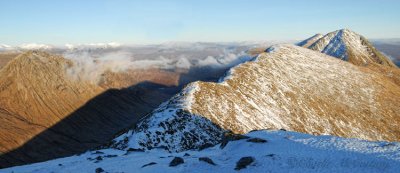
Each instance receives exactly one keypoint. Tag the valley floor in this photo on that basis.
(265, 151)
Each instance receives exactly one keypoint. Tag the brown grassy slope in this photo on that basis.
(47, 114)
(377, 62)
(306, 91)
(135, 76)
(36, 92)
(256, 51)
(5, 57)
(373, 56)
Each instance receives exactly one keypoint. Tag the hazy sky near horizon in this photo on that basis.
(153, 21)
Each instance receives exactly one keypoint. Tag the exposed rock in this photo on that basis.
(244, 162)
(206, 145)
(99, 158)
(135, 150)
(229, 136)
(99, 170)
(130, 150)
(110, 156)
(176, 161)
(257, 140)
(207, 160)
(149, 164)
(234, 137)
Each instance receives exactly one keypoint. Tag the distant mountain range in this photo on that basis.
(387, 46)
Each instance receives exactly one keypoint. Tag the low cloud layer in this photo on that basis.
(91, 63)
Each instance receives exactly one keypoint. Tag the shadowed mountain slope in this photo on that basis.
(46, 114)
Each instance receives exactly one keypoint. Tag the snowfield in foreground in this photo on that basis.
(261, 151)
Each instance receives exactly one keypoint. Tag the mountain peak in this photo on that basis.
(35, 62)
(350, 46)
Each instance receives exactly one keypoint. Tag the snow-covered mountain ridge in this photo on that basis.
(289, 87)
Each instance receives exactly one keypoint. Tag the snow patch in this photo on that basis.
(283, 151)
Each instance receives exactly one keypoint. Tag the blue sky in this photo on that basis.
(154, 21)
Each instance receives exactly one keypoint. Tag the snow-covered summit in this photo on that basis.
(349, 46)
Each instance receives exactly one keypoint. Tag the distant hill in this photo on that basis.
(45, 113)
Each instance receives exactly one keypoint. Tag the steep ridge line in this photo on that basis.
(289, 87)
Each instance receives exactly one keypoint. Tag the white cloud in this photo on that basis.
(91, 63)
